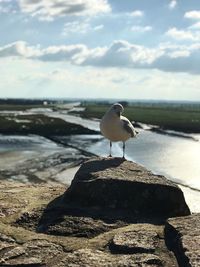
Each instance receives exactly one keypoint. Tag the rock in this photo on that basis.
(79, 226)
(183, 238)
(32, 253)
(139, 241)
(27, 262)
(119, 184)
(97, 258)
(6, 238)
(47, 225)
(107, 193)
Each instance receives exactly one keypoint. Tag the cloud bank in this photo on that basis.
(49, 10)
(120, 54)
(183, 35)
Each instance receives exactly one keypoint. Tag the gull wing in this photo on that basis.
(128, 127)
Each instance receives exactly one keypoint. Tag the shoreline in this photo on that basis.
(63, 173)
(80, 152)
(60, 142)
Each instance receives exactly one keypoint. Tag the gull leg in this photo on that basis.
(110, 149)
(123, 150)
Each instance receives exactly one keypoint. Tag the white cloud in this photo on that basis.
(137, 13)
(71, 53)
(172, 4)
(141, 28)
(20, 48)
(80, 26)
(195, 26)
(49, 10)
(181, 35)
(120, 54)
(179, 53)
(194, 14)
(98, 27)
(33, 78)
(76, 27)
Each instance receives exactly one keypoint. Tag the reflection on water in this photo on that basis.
(91, 124)
(175, 157)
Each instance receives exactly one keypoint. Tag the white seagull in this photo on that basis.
(116, 127)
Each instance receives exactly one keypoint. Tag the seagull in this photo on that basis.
(116, 127)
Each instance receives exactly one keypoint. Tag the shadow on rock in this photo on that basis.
(107, 193)
(65, 217)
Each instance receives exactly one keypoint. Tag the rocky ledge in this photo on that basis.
(115, 213)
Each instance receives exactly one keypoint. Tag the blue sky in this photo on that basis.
(129, 49)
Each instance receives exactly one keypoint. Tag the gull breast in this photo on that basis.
(113, 129)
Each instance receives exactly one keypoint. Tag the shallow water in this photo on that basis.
(91, 124)
(15, 149)
(175, 157)
(20, 142)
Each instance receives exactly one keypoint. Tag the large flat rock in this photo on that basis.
(119, 184)
(183, 236)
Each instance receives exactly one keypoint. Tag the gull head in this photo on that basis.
(117, 109)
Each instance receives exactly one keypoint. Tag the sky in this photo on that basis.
(126, 49)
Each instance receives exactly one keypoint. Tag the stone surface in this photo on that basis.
(119, 184)
(183, 235)
(21, 245)
(42, 227)
(97, 258)
(34, 252)
(135, 242)
(78, 226)
(106, 194)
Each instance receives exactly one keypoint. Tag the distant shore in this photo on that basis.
(24, 123)
(163, 115)
(183, 118)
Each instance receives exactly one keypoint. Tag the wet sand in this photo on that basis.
(36, 159)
